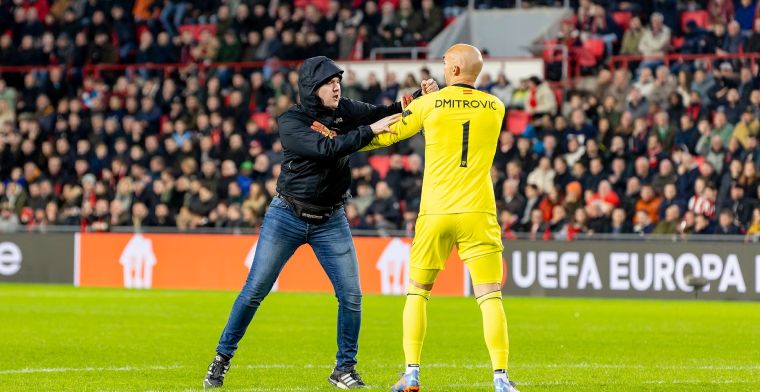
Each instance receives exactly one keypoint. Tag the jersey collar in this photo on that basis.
(463, 85)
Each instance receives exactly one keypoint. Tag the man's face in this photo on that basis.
(725, 220)
(329, 93)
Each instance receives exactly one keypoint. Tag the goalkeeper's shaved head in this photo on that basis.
(462, 64)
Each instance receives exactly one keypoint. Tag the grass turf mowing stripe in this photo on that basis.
(163, 340)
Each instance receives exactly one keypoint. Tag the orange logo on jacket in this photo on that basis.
(321, 128)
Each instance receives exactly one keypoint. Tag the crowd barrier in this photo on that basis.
(637, 268)
(515, 68)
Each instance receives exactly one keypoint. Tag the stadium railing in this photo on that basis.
(411, 52)
(707, 60)
(201, 68)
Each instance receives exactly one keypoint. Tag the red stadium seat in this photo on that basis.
(699, 16)
(381, 164)
(622, 18)
(552, 51)
(262, 120)
(517, 121)
(676, 42)
(322, 5)
(595, 46)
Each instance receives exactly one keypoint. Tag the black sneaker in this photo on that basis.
(216, 371)
(346, 380)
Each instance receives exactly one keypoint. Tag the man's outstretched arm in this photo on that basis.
(410, 125)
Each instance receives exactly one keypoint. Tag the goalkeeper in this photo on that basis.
(461, 127)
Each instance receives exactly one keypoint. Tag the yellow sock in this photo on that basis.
(495, 329)
(415, 323)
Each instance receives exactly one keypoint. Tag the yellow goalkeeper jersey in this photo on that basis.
(461, 127)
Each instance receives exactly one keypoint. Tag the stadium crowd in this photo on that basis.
(79, 32)
(602, 28)
(659, 149)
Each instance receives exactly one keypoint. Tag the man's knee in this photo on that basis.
(421, 289)
(254, 291)
(487, 291)
(421, 281)
(350, 299)
(254, 297)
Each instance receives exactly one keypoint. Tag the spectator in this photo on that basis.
(694, 39)
(749, 179)
(514, 202)
(703, 201)
(670, 197)
(666, 175)
(714, 154)
(740, 207)
(720, 11)
(687, 135)
(620, 224)
(9, 221)
(726, 224)
(605, 198)
(649, 203)
(552, 199)
(426, 23)
(753, 231)
(502, 89)
(573, 197)
(230, 49)
(632, 37)
(748, 125)
(670, 223)
(385, 208)
(637, 104)
(703, 225)
(734, 41)
(752, 45)
(541, 99)
(655, 39)
(542, 176)
(532, 200)
(559, 223)
(642, 223)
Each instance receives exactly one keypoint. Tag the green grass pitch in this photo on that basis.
(64, 339)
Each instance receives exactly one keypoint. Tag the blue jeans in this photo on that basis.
(281, 234)
(171, 17)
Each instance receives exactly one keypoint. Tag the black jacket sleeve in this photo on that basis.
(299, 138)
(366, 114)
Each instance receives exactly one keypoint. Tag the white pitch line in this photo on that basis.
(432, 365)
(89, 369)
(596, 366)
(528, 384)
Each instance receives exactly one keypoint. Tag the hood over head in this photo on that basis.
(314, 72)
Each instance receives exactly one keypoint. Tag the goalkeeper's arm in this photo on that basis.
(410, 125)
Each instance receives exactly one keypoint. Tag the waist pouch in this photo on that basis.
(310, 213)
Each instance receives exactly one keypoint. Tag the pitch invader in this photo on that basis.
(461, 126)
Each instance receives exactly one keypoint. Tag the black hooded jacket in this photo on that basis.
(315, 167)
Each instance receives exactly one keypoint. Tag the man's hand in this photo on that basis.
(383, 125)
(429, 86)
(406, 100)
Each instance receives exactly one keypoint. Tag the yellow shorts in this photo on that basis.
(475, 234)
